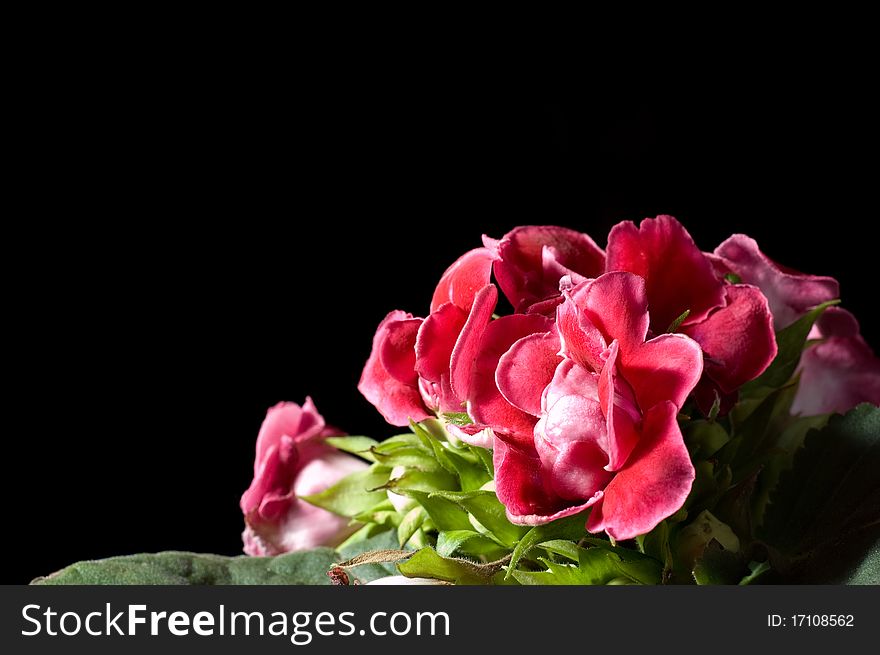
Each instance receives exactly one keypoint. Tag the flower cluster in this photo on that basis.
(577, 391)
(554, 381)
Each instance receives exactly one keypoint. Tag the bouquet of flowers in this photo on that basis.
(646, 414)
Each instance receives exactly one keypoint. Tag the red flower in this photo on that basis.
(584, 411)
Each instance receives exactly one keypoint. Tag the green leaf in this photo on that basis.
(487, 514)
(555, 574)
(466, 542)
(790, 341)
(756, 571)
(719, 566)
(704, 438)
(351, 495)
(570, 528)
(409, 456)
(564, 548)
(426, 563)
(444, 514)
(398, 441)
(757, 437)
(486, 458)
(177, 568)
(426, 481)
(411, 522)
(359, 446)
(822, 520)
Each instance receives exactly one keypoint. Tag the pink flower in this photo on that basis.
(840, 371)
(533, 258)
(292, 460)
(790, 294)
(389, 380)
(420, 366)
(731, 322)
(584, 410)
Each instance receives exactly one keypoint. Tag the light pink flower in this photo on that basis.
(840, 371)
(293, 460)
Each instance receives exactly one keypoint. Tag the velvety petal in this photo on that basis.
(521, 489)
(840, 372)
(580, 339)
(521, 272)
(738, 339)
(678, 276)
(667, 367)
(622, 415)
(467, 346)
(461, 281)
(526, 369)
(617, 305)
(486, 405)
(654, 483)
(396, 401)
(398, 353)
(436, 340)
(790, 293)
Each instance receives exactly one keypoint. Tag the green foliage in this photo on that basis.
(176, 568)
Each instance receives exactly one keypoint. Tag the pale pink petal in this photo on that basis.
(790, 293)
(472, 434)
(840, 372)
(679, 277)
(738, 339)
(654, 483)
(526, 369)
(461, 281)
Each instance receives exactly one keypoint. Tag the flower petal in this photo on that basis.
(398, 353)
(617, 305)
(521, 272)
(738, 339)
(526, 369)
(654, 483)
(436, 340)
(520, 487)
(621, 413)
(396, 401)
(486, 405)
(790, 293)
(580, 339)
(840, 372)
(461, 281)
(679, 277)
(665, 368)
(467, 346)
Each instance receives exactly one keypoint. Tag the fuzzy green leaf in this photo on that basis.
(359, 446)
(570, 528)
(426, 563)
(177, 568)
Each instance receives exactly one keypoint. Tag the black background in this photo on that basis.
(193, 251)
